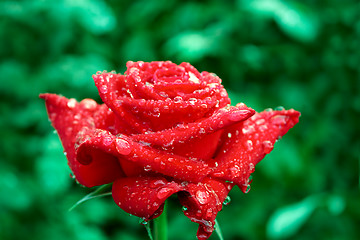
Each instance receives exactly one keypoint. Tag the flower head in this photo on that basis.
(165, 129)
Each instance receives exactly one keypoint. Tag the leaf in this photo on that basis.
(102, 191)
(218, 230)
(286, 221)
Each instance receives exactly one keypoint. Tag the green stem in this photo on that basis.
(160, 226)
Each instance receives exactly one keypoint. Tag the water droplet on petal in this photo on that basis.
(229, 135)
(279, 108)
(71, 103)
(279, 120)
(157, 183)
(163, 193)
(249, 145)
(88, 104)
(122, 146)
(193, 78)
(202, 196)
(147, 168)
(268, 146)
(248, 129)
(184, 208)
(103, 89)
(177, 99)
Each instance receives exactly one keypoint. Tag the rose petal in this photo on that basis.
(112, 87)
(220, 119)
(247, 143)
(143, 196)
(69, 118)
(163, 162)
(202, 202)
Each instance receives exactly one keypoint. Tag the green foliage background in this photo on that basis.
(298, 54)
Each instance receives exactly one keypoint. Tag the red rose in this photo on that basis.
(165, 129)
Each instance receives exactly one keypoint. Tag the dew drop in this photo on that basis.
(147, 168)
(71, 103)
(193, 78)
(249, 145)
(192, 101)
(177, 99)
(157, 183)
(103, 89)
(184, 208)
(279, 108)
(202, 130)
(248, 129)
(203, 105)
(163, 193)
(202, 196)
(107, 141)
(248, 188)
(229, 135)
(88, 104)
(122, 146)
(279, 120)
(268, 146)
(227, 200)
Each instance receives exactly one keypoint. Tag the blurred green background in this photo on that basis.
(297, 54)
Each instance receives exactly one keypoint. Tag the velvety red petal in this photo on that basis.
(202, 202)
(68, 118)
(143, 196)
(178, 167)
(221, 119)
(114, 86)
(248, 142)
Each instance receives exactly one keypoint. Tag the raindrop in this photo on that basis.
(88, 104)
(71, 103)
(249, 145)
(122, 146)
(260, 121)
(192, 101)
(279, 119)
(184, 208)
(177, 99)
(229, 135)
(103, 89)
(147, 168)
(248, 129)
(268, 110)
(248, 188)
(163, 193)
(227, 200)
(157, 183)
(202, 196)
(142, 221)
(203, 105)
(268, 146)
(279, 108)
(193, 78)
(162, 165)
(202, 130)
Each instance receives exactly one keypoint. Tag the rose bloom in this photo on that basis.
(165, 129)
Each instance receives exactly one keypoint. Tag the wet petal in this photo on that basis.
(202, 202)
(246, 143)
(143, 196)
(158, 161)
(69, 118)
(111, 88)
(222, 118)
